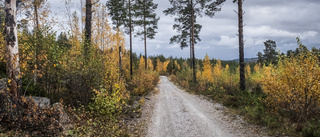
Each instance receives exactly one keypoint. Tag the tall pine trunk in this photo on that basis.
(88, 29)
(130, 29)
(192, 35)
(12, 49)
(36, 28)
(241, 46)
(191, 58)
(145, 42)
(120, 63)
(81, 11)
(120, 54)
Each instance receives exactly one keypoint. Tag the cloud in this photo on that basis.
(227, 41)
(173, 46)
(267, 31)
(158, 46)
(308, 34)
(279, 20)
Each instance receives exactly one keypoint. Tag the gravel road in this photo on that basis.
(177, 113)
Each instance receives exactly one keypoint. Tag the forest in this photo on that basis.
(97, 86)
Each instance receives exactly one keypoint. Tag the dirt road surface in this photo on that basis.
(176, 113)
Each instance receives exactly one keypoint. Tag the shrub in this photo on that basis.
(143, 81)
(293, 85)
(109, 104)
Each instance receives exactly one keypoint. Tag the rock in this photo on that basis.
(58, 106)
(64, 120)
(41, 101)
(63, 117)
(218, 106)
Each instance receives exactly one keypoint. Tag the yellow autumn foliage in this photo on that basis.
(141, 63)
(207, 70)
(217, 70)
(293, 85)
(177, 65)
(150, 65)
(159, 66)
(165, 65)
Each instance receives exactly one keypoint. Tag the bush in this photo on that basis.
(143, 82)
(293, 86)
(109, 104)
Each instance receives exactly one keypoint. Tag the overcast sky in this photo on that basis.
(278, 20)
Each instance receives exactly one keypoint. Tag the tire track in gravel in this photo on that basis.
(180, 114)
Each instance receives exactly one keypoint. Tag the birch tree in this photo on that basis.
(12, 49)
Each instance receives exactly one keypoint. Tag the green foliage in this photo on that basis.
(3, 72)
(118, 12)
(270, 55)
(183, 24)
(108, 104)
(145, 17)
(311, 129)
(184, 10)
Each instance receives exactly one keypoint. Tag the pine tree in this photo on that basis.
(147, 19)
(189, 10)
(241, 45)
(270, 55)
(183, 23)
(120, 11)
